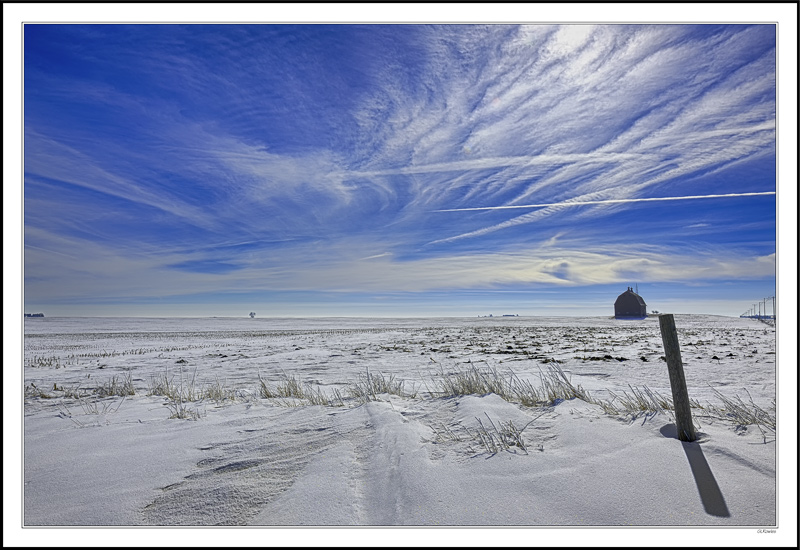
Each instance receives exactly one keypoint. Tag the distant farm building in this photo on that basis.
(630, 305)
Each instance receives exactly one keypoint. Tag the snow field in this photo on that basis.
(411, 457)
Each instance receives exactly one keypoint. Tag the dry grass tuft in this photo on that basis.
(493, 437)
(554, 385)
(291, 388)
(370, 385)
(114, 387)
(745, 413)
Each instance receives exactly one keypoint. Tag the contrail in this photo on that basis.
(607, 201)
(50, 251)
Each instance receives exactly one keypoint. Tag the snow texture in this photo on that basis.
(410, 457)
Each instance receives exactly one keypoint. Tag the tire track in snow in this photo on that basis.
(375, 474)
(395, 468)
(330, 489)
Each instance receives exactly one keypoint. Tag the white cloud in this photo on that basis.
(86, 271)
(47, 158)
(547, 265)
(496, 116)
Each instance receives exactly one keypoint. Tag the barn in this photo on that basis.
(630, 305)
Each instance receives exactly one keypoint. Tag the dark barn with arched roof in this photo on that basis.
(630, 305)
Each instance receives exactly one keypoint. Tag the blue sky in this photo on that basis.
(320, 169)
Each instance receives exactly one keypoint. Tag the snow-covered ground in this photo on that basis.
(212, 437)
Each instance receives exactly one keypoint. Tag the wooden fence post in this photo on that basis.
(680, 397)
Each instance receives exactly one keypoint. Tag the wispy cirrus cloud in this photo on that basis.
(657, 100)
(51, 160)
(339, 269)
(382, 156)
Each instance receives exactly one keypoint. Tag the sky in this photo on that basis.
(370, 169)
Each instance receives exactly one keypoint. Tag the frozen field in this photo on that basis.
(370, 422)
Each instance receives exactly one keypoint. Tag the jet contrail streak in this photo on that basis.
(607, 201)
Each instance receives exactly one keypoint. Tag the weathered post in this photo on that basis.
(680, 397)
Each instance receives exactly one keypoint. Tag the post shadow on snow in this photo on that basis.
(710, 494)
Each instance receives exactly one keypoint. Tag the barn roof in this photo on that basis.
(628, 294)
